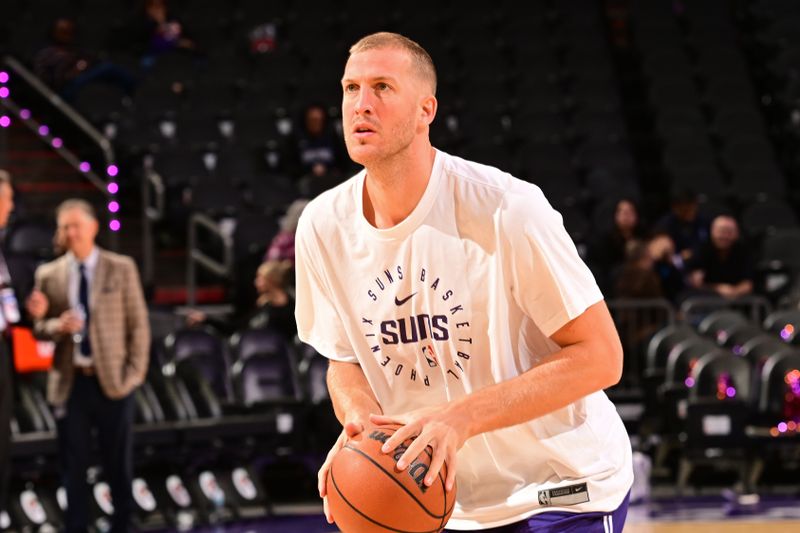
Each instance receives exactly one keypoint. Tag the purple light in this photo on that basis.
(5, 121)
(689, 382)
(85, 166)
(782, 427)
(3, 76)
(114, 225)
(113, 206)
(24, 114)
(785, 334)
(112, 188)
(112, 170)
(4, 92)
(57, 143)
(43, 130)
(730, 392)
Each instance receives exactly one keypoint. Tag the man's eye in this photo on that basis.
(381, 86)
(350, 87)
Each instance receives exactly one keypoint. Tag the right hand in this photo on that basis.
(351, 430)
(70, 322)
(37, 304)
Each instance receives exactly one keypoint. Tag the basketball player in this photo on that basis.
(450, 299)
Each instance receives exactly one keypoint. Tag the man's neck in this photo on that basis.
(82, 255)
(393, 188)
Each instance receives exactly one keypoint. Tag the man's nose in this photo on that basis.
(363, 102)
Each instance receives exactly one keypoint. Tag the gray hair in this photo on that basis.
(76, 203)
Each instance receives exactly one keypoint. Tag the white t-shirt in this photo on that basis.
(462, 294)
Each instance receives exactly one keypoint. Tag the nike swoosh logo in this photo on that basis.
(404, 300)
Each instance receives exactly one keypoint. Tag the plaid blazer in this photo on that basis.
(119, 331)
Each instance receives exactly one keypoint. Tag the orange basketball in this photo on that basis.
(367, 494)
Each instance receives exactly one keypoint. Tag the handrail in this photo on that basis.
(68, 110)
(153, 190)
(196, 256)
(754, 305)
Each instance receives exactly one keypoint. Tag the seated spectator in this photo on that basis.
(274, 284)
(724, 265)
(160, 31)
(684, 224)
(66, 68)
(666, 265)
(608, 253)
(318, 148)
(636, 278)
(282, 246)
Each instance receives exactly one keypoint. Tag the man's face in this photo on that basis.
(315, 121)
(724, 233)
(6, 203)
(382, 109)
(77, 230)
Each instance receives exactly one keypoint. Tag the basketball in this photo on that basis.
(367, 494)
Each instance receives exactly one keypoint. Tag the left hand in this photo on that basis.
(438, 427)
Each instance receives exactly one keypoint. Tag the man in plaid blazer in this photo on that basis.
(98, 318)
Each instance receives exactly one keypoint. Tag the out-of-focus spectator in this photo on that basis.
(274, 309)
(160, 31)
(684, 223)
(608, 253)
(66, 68)
(281, 248)
(318, 149)
(724, 265)
(637, 278)
(667, 265)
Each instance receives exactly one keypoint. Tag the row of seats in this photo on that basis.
(718, 393)
(246, 409)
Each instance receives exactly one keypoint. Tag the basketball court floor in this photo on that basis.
(702, 515)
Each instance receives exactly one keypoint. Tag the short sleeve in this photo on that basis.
(318, 321)
(551, 283)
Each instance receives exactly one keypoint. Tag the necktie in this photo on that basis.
(83, 299)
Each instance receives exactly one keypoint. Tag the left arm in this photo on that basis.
(590, 359)
(137, 334)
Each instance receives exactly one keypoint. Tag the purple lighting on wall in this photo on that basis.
(112, 170)
(112, 188)
(113, 206)
(4, 92)
(24, 114)
(114, 225)
(57, 143)
(43, 130)
(3, 76)
(5, 121)
(85, 166)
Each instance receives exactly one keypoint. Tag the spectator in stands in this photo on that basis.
(274, 283)
(724, 265)
(282, 246)
(608, 254)
(637, 277)
(67, 69)
(36, 306)
(160, 31)
(666, 264)
(684, 223)
(318, 150)
(97, 317)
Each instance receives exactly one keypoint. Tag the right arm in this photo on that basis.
(353, 402)
(46, 327)
(352, 397)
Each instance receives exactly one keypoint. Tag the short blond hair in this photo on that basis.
(423, 63)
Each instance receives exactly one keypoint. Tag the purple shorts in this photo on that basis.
(559, 522)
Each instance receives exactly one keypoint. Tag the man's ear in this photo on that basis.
(428, 108)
